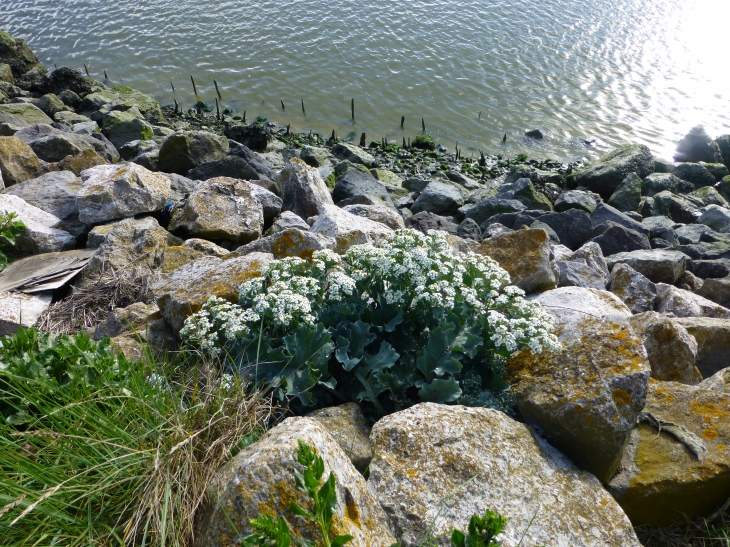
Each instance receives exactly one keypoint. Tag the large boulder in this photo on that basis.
(347, 229)
(675, 466)
(302, 189)
(220, 208)
(435, 466)
(289, 242)
(353, 154)
(523, 191)
(628, 194)
(720, 381)
(586, 267)
(15, 53)
(123, 98)
(660, 182)
(698, 146)
(254, 137)
(260, 480)
(19, 115)
(682, 303)
(229, 166)
(41, 233)
(713, 342)
(605, 213)
(185, 150)
(379, 213)
(573, 227)
(694, 173)
(586, 398)
(575, 304)
(56, 147)
(176, 256)
(659, 265)
(633, 288)
(259, 164)
(354, 184)
(118, 191)
(183, 292)
(128, 242)
(487, 208)
(526, 255)
(614, 238)
(716, 218)
(122, 127)
(672, 351)
(679, 208)
(609, 172)
(54, 193)
(18, 162)
(349, 427)
(425, 221)
(575, 199)
(441, 198)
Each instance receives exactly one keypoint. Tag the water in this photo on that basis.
(612, 70)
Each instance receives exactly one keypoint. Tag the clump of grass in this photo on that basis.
(93, 301)
(121, 460)
(713, 531)
(424, 142)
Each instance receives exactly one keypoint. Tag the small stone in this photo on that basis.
(628, 195)
(18, 162)
(634, 289)
(378, 213)
(21, 310)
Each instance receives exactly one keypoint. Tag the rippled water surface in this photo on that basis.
(612, 70)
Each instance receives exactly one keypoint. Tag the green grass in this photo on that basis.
(123, 460)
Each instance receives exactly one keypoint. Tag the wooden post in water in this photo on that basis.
(303, 111)
(217, 91)
(363, 139)
(217, 110)
(244, 116)
(288, 127)
(480, 114)
(352, 107)
(176, 106)
(105, 76)
(404, 142)
(172, 86)
(504, 139)
(333, 136)
(195, 89)
(423, 124)
(402, 121)
(282, 105)
(87, 70)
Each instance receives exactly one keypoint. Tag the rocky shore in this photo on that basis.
(626, 426)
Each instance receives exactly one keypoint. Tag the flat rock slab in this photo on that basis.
(21, 310)
(260, 479)
(426, 453)
(41, 234)
(348, 229)
(658, 265)
(575, 304)
(676, 464)
(677, 302)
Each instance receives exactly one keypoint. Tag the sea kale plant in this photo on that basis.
(388, 326)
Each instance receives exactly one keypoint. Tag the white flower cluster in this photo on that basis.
(409, 268)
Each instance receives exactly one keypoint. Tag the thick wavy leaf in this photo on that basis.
(436, 358)
(312, 347)
(387, 316)
(339, 541)
(440, 391)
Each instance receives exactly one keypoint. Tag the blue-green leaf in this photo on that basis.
(440, 391)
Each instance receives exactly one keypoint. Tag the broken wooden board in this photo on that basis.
(44, 272)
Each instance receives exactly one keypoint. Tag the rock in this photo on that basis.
(578, 274)
(591, 255)
(614, 238)
(671, 350)
(573, 227)
(534, 134)
(426, 452)
(353, 154)
(675, 466)
(713, 342)
(287, 220)
(570, 305)
(526, 255)
(19, 115)
(51, 104)
(54, 193)
(660, 182)
(81, 162)
(355, 183)
(605, 212)
(70, 98)
(123, 98)
(588, 419)
(6, 73)
(720, 381)
(118, 191)
(697, 146)
(348, 229)
(56, 147)
(689, 282)
(486, 209)
(123, 127)
(694, 173)
(260, 479)
(132, 319)
(69, 119)
(709, 196)
(711, 268)
(130, 241)
(681, 303)
(523, 191)
(575, 199)
(438, 197)
(628, 194)
(460, 179)
(679, 208)
(716, 217)
(183, 292)
(32, 133)
(302, 189)
(469, 229)
(254, 137)
(41, 233)
(661, 227)
(16, 53)
(385, 215)
(426, 221)
(716, 290)
(717, 170)
(270, 202)
(259, 164)
(35, 80)
(21, 310)
(317, 157)
(176, 256)
(659, 265)
(185, 150)
(560, 252)
(228, 166)
(634, 289)
(289, 242)
(65, 79)
(605, 176)
(18, 162)
(692, 233)
(219, 208)
(347, 425)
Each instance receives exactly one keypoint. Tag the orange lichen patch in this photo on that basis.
(623, 402)
(664, 393)
(709, 434)
(721, 447)
(711, 410)
(352, 514)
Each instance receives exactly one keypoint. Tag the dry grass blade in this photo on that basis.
(94, 300)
